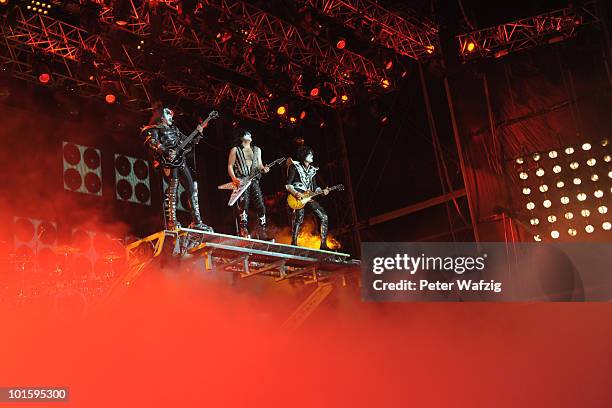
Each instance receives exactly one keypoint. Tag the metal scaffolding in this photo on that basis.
(551, 27)
(409, 36)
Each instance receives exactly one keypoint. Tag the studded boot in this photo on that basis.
(172, 223)
(196, 222)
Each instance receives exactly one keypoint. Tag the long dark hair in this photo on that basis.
(302, 152)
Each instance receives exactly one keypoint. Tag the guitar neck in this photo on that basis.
(193, 134)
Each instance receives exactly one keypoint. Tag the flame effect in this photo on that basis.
(309, 236)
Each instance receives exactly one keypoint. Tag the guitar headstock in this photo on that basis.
(213, 114)
(340, 187)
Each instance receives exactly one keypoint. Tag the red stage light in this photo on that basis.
(333, 99)
(314, 92)
(303, 115)
(44, 78)
(110, 98)
(341, 44)
(384, 119)
(389, 65)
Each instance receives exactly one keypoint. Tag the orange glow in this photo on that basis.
(341, 44)
(344, 98)
(292, 119)
(110, 98)
(471, 46)
(430, 49)
(385, 83)
(281, 110)
(314, 92)
(303, 115)
(309, 236)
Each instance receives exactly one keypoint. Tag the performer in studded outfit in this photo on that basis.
(301, 177)
(162, 138)
(244, 159)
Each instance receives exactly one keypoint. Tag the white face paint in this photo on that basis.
(247, 137)
(309, 158)
(167, 115)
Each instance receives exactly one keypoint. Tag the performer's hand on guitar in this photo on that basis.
(171, 154)
(236, 182)
(326, 191)
(298, 195)
(200, 128)
(265, 169)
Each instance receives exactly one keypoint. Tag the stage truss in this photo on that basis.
(547, 28)
(409, 36)
(246, 257)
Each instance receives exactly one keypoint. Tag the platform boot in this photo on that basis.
(172, 223)
(262, 234)
(243, 224)
(196, 222)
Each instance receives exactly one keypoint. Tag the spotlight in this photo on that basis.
(384, 120)
(430, 49)
(110, 90)
(3, 2)
(389, 64)
(557, 169)
(314, 92)
(560, 184)
(577, 181)
(530, 205)
(534, 221)
(546, 203)
(565, 200)
(586, 146)
(540, 172)
(526, 190)
(598, 193)
(536, 156)
(569, 215)
(554, 234)
(341, 43)
(520, 160)
(591, 162)
(471, 46)
(585, 213)
(523, 175)
(292, 119)
(303, 115)
(344, 98)
(574, 165)
(594, 177)
(569, 150)
(605, 142)
(385, 83)
(606, 226)
(572, 232)
(602, 209)
(543, 188)
(589, 228)
(552, 154)
(44, 78)
(281, 110)
(552, 219)
(581, 196)
(110, 98)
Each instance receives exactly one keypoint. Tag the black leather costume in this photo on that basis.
(160, 139)
(303, 179)
(252, 194)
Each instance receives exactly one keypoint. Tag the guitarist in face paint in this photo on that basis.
(162, 137)
(301, 177)
(245, 158)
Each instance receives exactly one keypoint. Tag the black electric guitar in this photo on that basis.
(185, 146)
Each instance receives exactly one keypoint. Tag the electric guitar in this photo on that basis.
(185, 146)
(297, 204)
(245, 182)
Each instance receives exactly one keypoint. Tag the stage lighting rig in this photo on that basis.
(566, 192)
